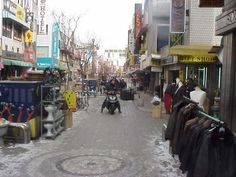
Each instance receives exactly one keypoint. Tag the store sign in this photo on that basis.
(29, 54)
(55, 40)
(178, 16)
(15, 9)
(42, 16)
(226, 22)
(45, 62)
(196, 59)
(28, 36)
(131, 60)
(138, 18)
(20, 13)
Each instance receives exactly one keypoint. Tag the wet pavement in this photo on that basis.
(121, 145)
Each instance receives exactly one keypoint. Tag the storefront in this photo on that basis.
(171, 68)
(13, 68)
(203, 67)
(226, 27)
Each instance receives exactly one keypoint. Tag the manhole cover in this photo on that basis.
(90, 165)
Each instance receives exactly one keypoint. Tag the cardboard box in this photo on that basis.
(156, 111)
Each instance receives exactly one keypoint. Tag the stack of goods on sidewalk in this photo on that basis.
(127, 94)
(206, 147)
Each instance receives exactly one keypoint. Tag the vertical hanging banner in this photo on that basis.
(55, 44)
(42, 17)
(178, 16)
(138, 19)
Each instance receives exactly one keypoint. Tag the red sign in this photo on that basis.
(29, 55)
(138, 18)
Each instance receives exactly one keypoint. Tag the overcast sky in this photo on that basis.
(108, 20)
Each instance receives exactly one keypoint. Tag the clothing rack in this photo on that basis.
(203, 113)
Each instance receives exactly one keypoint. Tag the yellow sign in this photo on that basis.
(20, 13)
(196, 59)
(70, 97)
(131, 61)
(156, 62)
(28, 36)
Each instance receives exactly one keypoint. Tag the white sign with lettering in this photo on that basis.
(42, 16)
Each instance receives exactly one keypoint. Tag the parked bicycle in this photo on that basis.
(82, 100)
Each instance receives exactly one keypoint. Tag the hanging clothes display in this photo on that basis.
(204, 145)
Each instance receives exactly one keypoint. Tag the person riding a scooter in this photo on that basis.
(111, 86)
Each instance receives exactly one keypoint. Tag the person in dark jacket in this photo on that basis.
(168, 94)
(190, 85)
(111, 86)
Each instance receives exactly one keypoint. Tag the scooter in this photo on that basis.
(112, 102)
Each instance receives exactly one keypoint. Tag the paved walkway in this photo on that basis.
(143, 102)
(98, 145)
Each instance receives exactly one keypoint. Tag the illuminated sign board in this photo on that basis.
(196, 59)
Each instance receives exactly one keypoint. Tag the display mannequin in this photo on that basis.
(179, 84)
(198, 96)
(179, 92)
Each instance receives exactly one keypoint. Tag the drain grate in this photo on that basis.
(90, 165)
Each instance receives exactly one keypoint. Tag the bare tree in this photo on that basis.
(67, 27)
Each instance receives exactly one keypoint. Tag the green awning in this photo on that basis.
(21, 63)
(16, 63)
(6, 62)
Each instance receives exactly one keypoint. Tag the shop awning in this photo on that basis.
(192, 50)
(138, 71)
(215, 49)
(21, 63)
(6, 62)
(9, 62)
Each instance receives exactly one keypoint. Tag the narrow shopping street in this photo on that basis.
(121, 145)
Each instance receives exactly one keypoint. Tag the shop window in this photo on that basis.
(7, 28)
(17, 32)
(162, 36)
(198, 74)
